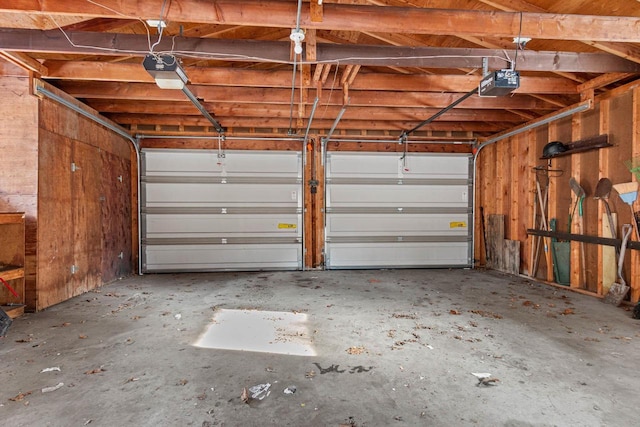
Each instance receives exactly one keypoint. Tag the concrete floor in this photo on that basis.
(394, 348)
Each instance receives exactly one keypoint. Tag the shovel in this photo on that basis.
(618, 291)
(580, 194)
(603, 189)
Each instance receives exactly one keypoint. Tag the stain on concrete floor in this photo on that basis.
(394, 347)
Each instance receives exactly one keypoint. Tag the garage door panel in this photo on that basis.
(374, 255)
(398, 195)
(206, 212)
(166, 194)
(415, 225)
(391, 165)
(176, 258)
(207, 163)
(221, 225)
(385, 211)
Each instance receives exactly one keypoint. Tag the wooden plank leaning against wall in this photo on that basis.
(616, 113)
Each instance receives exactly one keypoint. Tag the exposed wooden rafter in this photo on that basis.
(87, 43)
(273, 13)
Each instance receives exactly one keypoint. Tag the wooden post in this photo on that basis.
(576, 278)
(604, 253)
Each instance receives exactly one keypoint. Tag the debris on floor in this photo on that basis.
(349, 422)
(20, 396)
(55, 368)
(485, 378)
(356, 349)
(290, 390)
(487, 381)
(244, 396)
(260, 391)
(53, 388)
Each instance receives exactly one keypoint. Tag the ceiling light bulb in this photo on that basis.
(521, 40)
(297, 36)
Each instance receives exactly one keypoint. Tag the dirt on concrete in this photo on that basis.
(393, 348)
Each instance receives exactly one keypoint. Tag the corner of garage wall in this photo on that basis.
(506, 185)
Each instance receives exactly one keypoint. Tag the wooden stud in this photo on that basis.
(577, 280)
(603, 172)
(316, 11)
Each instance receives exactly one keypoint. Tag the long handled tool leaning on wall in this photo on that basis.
(580, 195)
(628, 192)
(541, 198)
(619, 290)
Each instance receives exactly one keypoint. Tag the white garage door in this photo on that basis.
(385, 211)
(205, 211)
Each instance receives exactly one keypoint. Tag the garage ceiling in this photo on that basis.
(392, 63)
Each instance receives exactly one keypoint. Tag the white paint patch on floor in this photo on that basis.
(260, 331)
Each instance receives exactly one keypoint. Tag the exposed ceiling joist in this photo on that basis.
(282, 111)
(220, 76)
(393, 62)
(273, 13)
(24, 61)
(144, 92)
(275, 122)
(88, 43)
(624, 50)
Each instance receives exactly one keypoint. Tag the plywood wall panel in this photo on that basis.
(55, 220)
(58, 120)
(116, 217)
(95, 217)
(86, 191)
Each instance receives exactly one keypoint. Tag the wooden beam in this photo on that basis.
(623, 50)
(100, 24)
(88, 43)
(316, 12)
(24, 61)
(271, 110)
(147, 92)
(283, 123)
(407, 20)
(219, 76)
(601, 81)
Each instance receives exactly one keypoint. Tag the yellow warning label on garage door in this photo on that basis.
(458, 224)
(283, 225)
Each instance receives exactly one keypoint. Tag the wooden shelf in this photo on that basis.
(13, 311)
(594, 143)
(11, 272)
(12, 260)
(11, 218)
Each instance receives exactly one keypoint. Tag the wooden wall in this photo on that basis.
(506, 184)
(19, 154)
(85, 205)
